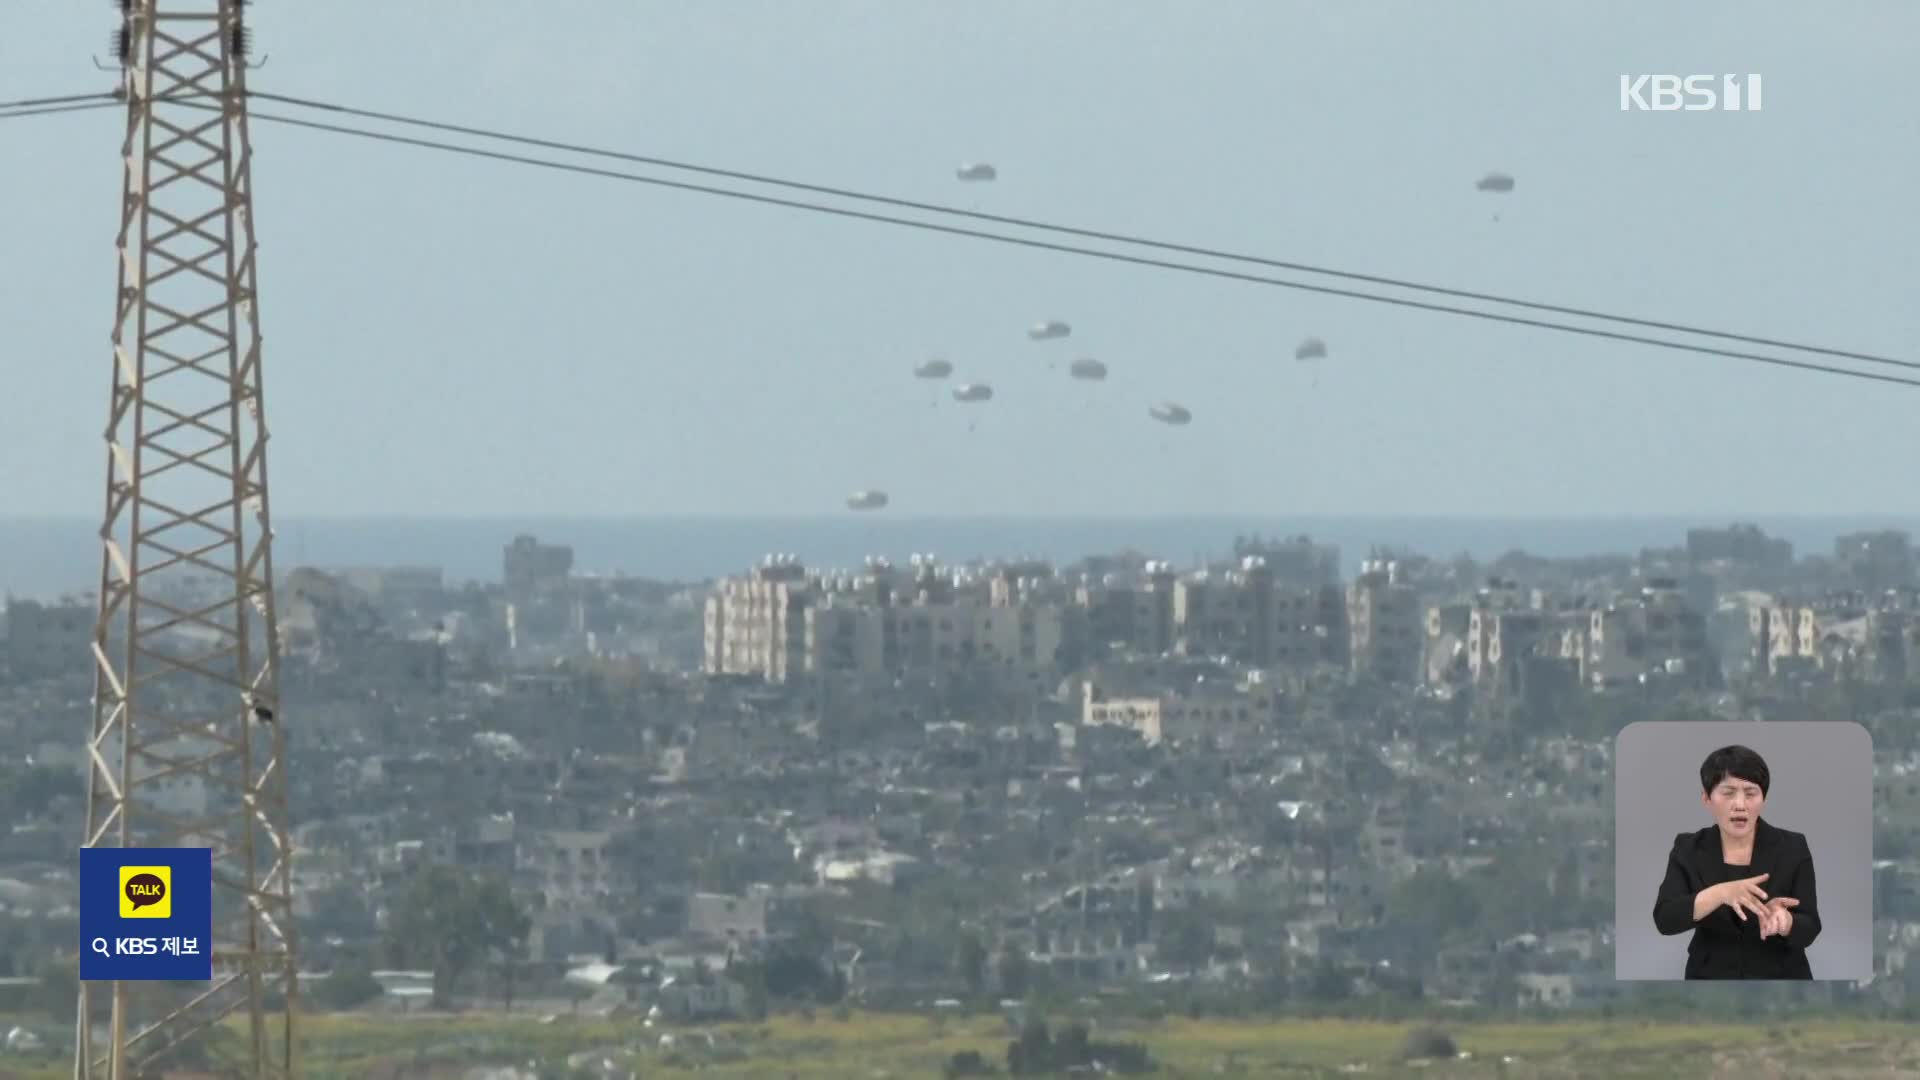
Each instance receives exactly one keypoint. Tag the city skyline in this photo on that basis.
(52, 556)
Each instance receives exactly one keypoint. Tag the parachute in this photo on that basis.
(933, 369)
(976, 172)
(1049, 331)
(1168, 413)
(867, 500)
(1088, 368)
(1309, 352)
(972, 393)
(1498, 183)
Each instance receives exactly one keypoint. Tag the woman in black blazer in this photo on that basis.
(1744, 887)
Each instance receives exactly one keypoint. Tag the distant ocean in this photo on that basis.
(44, 557)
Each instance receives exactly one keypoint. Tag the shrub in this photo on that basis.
(1428, 1043)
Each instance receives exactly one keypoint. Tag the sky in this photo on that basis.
(450, 336)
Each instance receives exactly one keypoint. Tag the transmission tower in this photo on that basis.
(186, 748)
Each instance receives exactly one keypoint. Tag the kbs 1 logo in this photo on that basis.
(1689, 93)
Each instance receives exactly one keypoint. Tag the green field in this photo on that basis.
(901, 1046)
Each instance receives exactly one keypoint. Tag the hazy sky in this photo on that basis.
(453, 336)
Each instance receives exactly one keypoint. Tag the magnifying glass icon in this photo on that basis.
(100, 946)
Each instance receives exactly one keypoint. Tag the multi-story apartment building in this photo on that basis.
(781, 622)
(1250, 617)
(1633, 636)
(1385, 624)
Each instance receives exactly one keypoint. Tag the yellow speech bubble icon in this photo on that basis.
(146, 892)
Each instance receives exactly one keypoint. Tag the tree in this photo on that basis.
(967, 1063)
(1074, 1045)
(16, 935)
(1032, 1052)
(1432, 904)
(1274, 989)
(60, 990)
(1185, 938)
(971, 959)
(791, 969)
(1428, 1042)
(1511, 895)
(452, 920)
(1016, 975)
(751, 975)
(27, 791)
(350, 984)
(1910, 981)
(340, 911)
(1328, 983)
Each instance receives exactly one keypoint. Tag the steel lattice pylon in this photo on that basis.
(186, 748)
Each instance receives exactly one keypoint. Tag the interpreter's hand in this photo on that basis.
(1778, 921)
(1744, 895)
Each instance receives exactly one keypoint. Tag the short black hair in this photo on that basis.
(1737, 762)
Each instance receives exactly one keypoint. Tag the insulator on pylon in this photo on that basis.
(125, 6)
(240, 40)
(122, 44)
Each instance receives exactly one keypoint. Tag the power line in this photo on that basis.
(1050, 246)
(1045, 245)
(63, 99)
(47, 110)
(1084, 233)
(84, 102)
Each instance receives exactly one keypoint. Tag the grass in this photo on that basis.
(903, 1046)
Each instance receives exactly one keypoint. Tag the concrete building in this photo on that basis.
(567, 868)
(1385, 624)
(756, 625)
(530, 568)
(1224, 711)
(1498, 641)
(733, 920)
(1876, 561)
(1448, 630)
(419, 588)
(1295, 561)
(44, 640)
(1518, 637)
(1848, 634)
(326, 621)
(1809, 636)
(1247, 615)
(1019, 639)
(1135, 614)
(1141, 714)
(782, 622)
(1739, 545)
(1636, 635)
